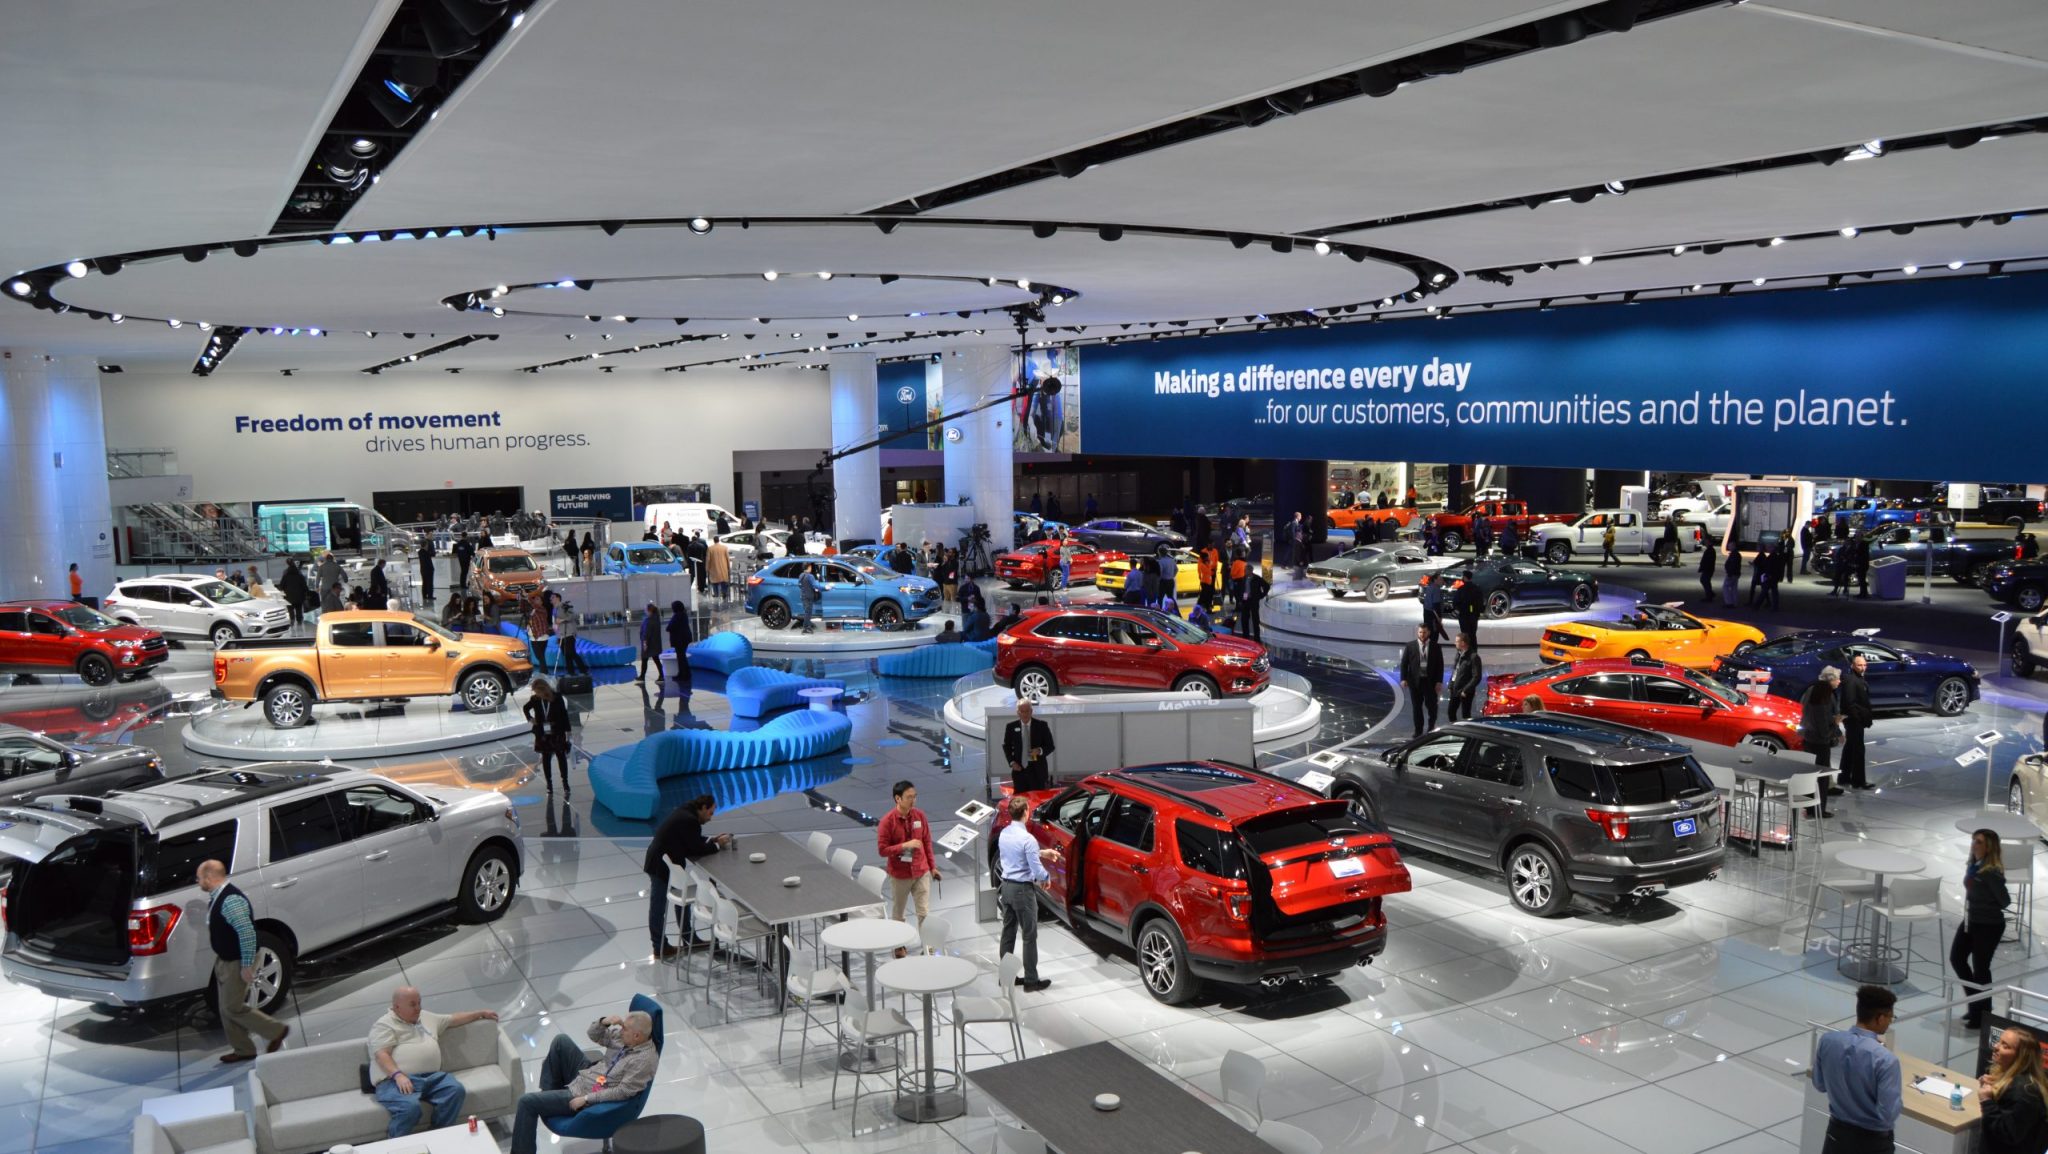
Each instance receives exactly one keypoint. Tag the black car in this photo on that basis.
(1133, 537)
(1508, 584)
(1560, 805)
(2023, 584)
(1962, 558)
(33, 766)
(1898, 678)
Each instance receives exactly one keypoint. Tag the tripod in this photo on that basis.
(974, 560)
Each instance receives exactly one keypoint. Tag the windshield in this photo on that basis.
(221, 593)
(872, 569)
(1177, 629)
(1533, 676)
(648, 555)
(1717, 688)
(1782, 647)
(436, 628)
(1366, 554)
(1659, 781)
(80, 617)
(520, 564)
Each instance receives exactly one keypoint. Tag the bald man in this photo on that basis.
(405, 1062)
(231, 927)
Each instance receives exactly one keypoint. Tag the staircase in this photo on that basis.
(164, 532)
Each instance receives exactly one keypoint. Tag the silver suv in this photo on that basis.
(1558, 804)
(189, 605)
(106, 908)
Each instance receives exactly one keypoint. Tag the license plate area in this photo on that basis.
(1347, 867)
(1685, 827)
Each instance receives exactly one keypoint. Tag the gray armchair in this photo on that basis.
(215, 1134)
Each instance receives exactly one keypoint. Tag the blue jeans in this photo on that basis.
(564, 1061)
(439, 1090)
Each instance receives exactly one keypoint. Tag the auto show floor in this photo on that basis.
(1675, 1027)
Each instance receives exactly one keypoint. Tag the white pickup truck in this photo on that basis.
(1634, 536)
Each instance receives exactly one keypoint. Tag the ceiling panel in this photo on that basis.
(2011, 26)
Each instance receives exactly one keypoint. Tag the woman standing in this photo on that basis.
(1984, 902)
(2014, 1096)
(550, 717)
(650, 644)
(540, 625)
(1820, 725)
(574, 551)
(589, 553)
(296, 594)
(679, 638)
(1731, 577)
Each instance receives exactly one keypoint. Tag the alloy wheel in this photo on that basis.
(1156, 960)
(1531, 880)
(268, 974)
(492, 886)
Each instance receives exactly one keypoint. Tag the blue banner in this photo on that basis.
(611, 504)
(1939, 380)
(901, 401)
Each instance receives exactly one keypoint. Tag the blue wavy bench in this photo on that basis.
(628, 779)
(754, 691)
(726, 652)
(949, 660)
(593, 654)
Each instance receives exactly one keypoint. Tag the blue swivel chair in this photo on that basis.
(605, 1119)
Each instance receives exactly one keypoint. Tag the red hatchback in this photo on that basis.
(1125, 647)
(1651, 695)
(1211, 871)
(67, 637)
(1038, 564)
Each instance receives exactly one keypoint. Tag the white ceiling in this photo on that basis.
(148, 125)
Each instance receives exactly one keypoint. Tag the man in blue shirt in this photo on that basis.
(808, 591)
(1860, 1078)
(1021, 867)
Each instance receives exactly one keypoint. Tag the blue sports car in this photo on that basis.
(1899, 678)
(850, 588)
(624, 557)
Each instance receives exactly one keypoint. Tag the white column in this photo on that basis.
(856, 480)
(979, 465)
(53, 459)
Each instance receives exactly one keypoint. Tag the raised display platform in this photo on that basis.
(1283, 709)
(1312, 612)
(423, 725)
(840, 640)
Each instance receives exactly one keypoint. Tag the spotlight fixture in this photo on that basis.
(108, 265)
(611, 227)
(244, 248)
(117, 318)
(1283, 244)
(853, 316)
(76, 268)
(1954, 265)
(1043, 229)
(1629, 297)
(1439, 278)
(1834, 282)
(891, 278)
(1995, 269)
(1727, 288)
(1616, 187)
(175, 323)
(887, 226)
(195, 254)
(1584, 195)
(771, 274)
(699, 225)
(1239, 240)
(1110, 232)
(1964, 137)
(1586, 259)
(1758, 281)
(1541, 306)
(497, 310)
(1850, 231)
(20, 288)
(1022, 283)
(1322, 248)
(824, 276)
(1776, 241)
(1910, 269)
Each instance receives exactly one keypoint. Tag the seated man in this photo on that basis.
(947, 635)
(405, 1062)
(567, 1085)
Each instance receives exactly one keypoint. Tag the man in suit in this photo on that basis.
(1026, 741)
(1854, 704)
(1422, 671)
(1466, 674)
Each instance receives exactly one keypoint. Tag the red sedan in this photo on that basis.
(1650, 695)
(1125, 647)
(1037, 565)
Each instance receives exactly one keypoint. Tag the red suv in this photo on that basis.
(1038, 564)
(1125, 647)
(1213, 872)
(67, 637)
(1650, 695)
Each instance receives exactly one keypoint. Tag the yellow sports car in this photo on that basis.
(1659, 632)
(1186, 581)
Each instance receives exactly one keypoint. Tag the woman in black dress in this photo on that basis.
(550, 717)
(1984, 901)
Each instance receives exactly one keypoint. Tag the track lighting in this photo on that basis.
(611, 227)
(1616, 187)
(824, 276)
(770, 275)
(175, 323)
(1954, 265)
(1239, 240)
(1758, 281)
(1110, 232)
(1322, 248)
(76, 268)
(1586, 259)
(1910, 269)
(1776, 241)
(20, 288)
(1043, 229)
(1282, 244)
(1850, 231)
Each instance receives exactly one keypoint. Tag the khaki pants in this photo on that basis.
(901, 889)
(236, 1015)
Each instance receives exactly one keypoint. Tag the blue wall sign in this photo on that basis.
(612, 504)
(900, 403)
(1938, 380)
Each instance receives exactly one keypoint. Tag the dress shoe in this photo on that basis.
(1034, 987)
(233, 1057)
(1836, 791)
(277, 1043)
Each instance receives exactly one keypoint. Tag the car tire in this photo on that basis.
(275, 966)
(288, 705)
(1582, 596)
(1199, 683)
(1639, 655)
(2016, 798)
(1536, 883)
(1163, 962)
(484, 691)
(1557, 552)
(1056, 581)
(1499, 604)
(1337, 594)
(1376, 589)
(1661, 554)
(1034, 682)
(774, 613)
(488, 883)
(224, 633)
(95, 669)
(1951, 696)
(1453, 541)
(1765, 741)
(886, 614)
(1743, 648)
(2028, 597)
(2022, 658)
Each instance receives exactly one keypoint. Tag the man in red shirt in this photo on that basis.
(904, 839)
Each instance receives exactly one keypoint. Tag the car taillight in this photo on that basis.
(220, 670)
(1616, 824)
(149, 931)
(754, 579)
(1005, 639)
(1239, 905)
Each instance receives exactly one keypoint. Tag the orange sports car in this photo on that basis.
(1660, 632)
(1349, 518)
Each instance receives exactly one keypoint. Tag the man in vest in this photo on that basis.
(231, 927)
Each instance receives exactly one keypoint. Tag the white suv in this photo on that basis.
(190, 605)
(1556, 542)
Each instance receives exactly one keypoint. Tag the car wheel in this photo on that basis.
(224, 633)
(1582, 596)
(1163, 962)
(1034, 682)
(1453, 541)
(775, 613)
(1197, 684)
(2016, 799)
(1535, 882)
(1499, 603)
(886, 614)
(1337, 594)
(1742, 648)
(2022, 657)
(2028, 597)
(288, 705)
(271, 983)
(1765, 741)
(1557, 552)
(1638, 655)
(95, 669)
(1013, 584)
(1662, 554)
(1058, 580)
(488, 883)
(484, 691)
(1376, 589)
(1952, 696)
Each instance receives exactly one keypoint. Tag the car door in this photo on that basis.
(615, 558)
(312, 875)
(1117, 872)
(145, 603)
(1628, 533)
(23, 754)
(1591, 532)
(1420, 807)
(14, 639)
(1205, 857)
(1068, 823)
(401, 849)
(1081, 652)
(1487, 796)
(55, 643)
(1682, 640)
(352, 661)
(1137, 656)
(414, 663)
(1669, 705)
(1893, 680)
(844, 594)
(1605, 695)
(184, 611)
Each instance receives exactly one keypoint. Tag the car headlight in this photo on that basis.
(127, 644)
(909, 590)
(1233, 659)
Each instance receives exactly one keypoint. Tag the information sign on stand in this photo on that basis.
(957, 838)
(975, 812)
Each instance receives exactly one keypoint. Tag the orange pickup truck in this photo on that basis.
(369, 655)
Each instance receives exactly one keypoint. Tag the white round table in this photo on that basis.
(868, 937)
(823, 698)
(1871, 957)
(2008, 826)
(927, 975)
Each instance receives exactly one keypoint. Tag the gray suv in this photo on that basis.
(33, 766)
(1561, 805)
(104, 908)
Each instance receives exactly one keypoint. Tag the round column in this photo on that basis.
(979, 464)
(857, 479)
(53, 456)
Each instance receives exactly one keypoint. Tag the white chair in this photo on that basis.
(1912, 902)
(873, 880)
(1849, 888)
(1289, 1139)
(1012, 1139)
(1800, 792)
(1244, 1082)
(933, 933)
(820, 845)
(682, 892)
(807, 990)
(975, 1009)
(861, 1028)
(2018, 856)
(733, 932)
(703, 915)
(843, 861)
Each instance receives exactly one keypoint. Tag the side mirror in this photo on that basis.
(433, 643)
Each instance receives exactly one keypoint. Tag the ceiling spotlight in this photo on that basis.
(887, 226)
(1758, 282)
(205, 326)
(699, 225)
(1616, 187)
(364, 147)
(1022, 283)
(1851, 231)
(20, 288)
(117, 318)
(619, 319)
(1059, 298)
(175, 323)
(1586, 260)
(1776, 241)
(1874, 147)
(1322, 248)
(1439, 278)
(1677, 250)
(497, 310)
(891, 278)
(771, 274)
(76, 268)
(1283, 244)
(1954, 265)
(499, 291)
(1110, 232)
(195, 254)
(2002, 218)
(1910, 269)
(1629, 297)
(1043, 229)
(1995, 269)
(824, 276)
(611, 227)
(1239, 240)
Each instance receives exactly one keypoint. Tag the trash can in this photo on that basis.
(1888, 578)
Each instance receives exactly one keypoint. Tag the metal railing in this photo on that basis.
(169, 532)
(2012, 995)
(124, 463)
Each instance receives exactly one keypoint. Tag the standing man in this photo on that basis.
(1021, 866)
(568, 1083)
(680, 839)
(807, 592)
(1026, 741)
(1169, 578)
(465, 552)
(718, 568)
(1670, 543)
(1707, 567)
(1805, 546)
(1607, 556)
(650, 644)
(405, 1062)
(697, 552)
(1466, 674)
(1861, 545)
(1422, 671)
(1248, 613)
(231, 927)
(1860, 1078)
(1465, 599)
(1772, 562)
(427, 570)
(1431, 594)
(904, 839)
(1854, 705)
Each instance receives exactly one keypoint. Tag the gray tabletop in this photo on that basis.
(1753, 762)
(1055, 1096)
(758, 886)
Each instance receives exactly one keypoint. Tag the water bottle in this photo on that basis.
(1955, 1098)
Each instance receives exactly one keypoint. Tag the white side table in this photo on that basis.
(922, 1095)
(824, 698)
(868, 937)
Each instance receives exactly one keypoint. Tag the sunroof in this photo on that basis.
(1189, 778)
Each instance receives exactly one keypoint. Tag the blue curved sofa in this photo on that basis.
(628, 779)
(593, 654)
(948, 660)
(725, 652)
(755, 691)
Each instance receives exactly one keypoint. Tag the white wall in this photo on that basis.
(626, 428)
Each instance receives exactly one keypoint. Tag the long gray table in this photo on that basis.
(758, 887)
(1055, 1095)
